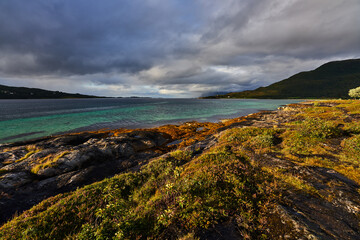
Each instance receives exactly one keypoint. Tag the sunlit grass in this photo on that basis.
(48, 161)
(183, 194)
(289, 180)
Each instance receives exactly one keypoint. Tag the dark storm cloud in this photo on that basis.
(82, 37)
(174, 48)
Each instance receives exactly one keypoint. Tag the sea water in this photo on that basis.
(33, 118)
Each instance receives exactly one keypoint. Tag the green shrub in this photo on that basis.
(353, 127)
(309, 133)
(252, 138)
(351, 148)
(318, 128)
(317, 104)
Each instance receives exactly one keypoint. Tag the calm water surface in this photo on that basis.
(28, 119)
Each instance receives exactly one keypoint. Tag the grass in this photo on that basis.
(351, 149)
(352, 127)
(351, 106)
(31, 150)
(312, 142)
(322, 112)
(261, 140)
(305, 137)
(183, 196)
(47, 162)
(287, 180)
(174, 196)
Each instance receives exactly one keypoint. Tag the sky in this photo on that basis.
(170, 48)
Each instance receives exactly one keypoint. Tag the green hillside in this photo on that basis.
(7, 92)
(331, 80)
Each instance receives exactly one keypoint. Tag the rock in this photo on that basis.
(31, 161)
(89, 157)
(73, 140)
(79, 158)
(79, 176)
(200, 129)
(6, 156)
(124, 150)
(176, 142)
(14, 180)
(156, 137)
(141, 144)
(49, 172)
(202, 146)
(12, 156)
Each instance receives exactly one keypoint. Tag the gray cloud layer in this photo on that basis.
(170, 48)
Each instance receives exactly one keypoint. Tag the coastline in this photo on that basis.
(144, 145)
(33, 171)
(216, 119)
(25, 123)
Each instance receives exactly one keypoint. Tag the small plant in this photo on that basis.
(351, 148)
(288, 179)
(258, 139)
(308, 134)
(352, 127)
(48, 161)
(31, 150)
(317, 104)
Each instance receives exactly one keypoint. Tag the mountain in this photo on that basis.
(7, 92)
(331, 80)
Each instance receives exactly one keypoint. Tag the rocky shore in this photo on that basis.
(328, 208)
(31, 172)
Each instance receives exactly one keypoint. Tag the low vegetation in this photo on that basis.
(30, 151)
(179, 195)
(48, 161)
(186, 195)
(306, 136)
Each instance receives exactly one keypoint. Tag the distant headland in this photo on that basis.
(7, 92)
(331, 80)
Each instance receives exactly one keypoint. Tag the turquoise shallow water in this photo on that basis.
(28, 119)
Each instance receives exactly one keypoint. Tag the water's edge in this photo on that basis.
(115, 114)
